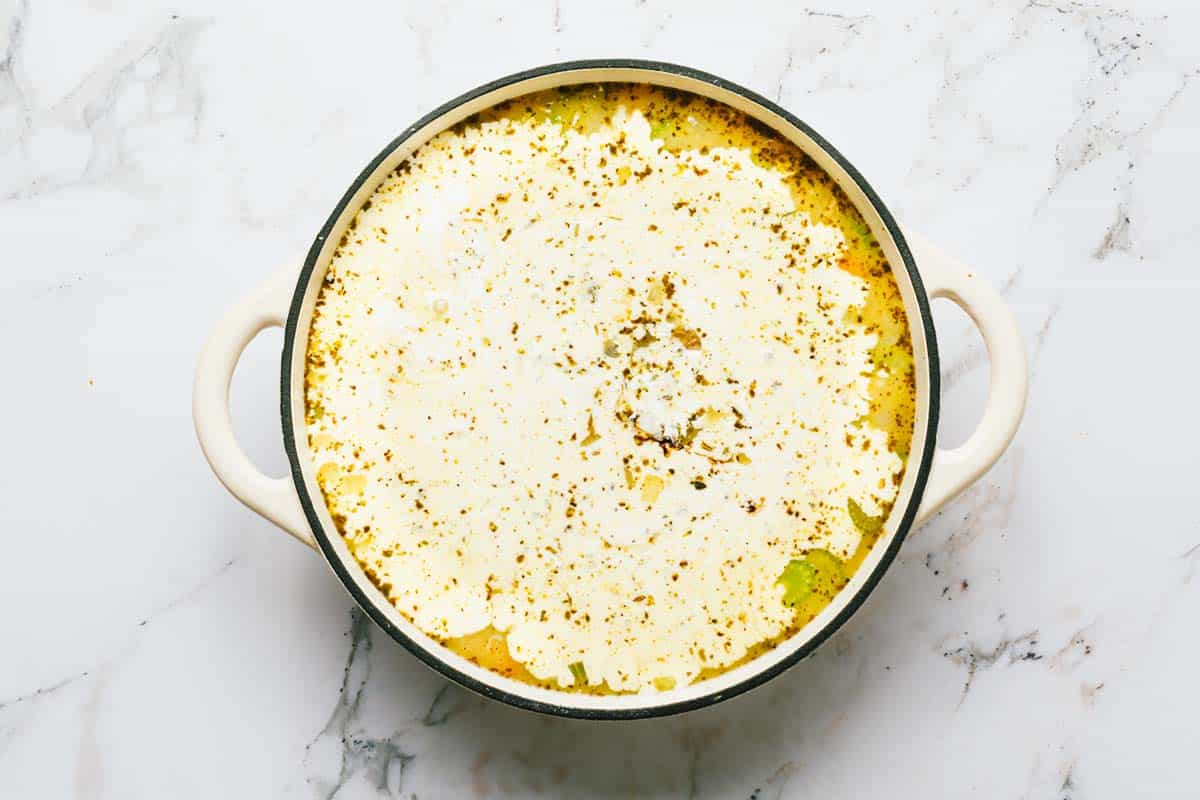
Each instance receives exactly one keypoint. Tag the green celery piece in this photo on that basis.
(864, 522)
(797, 579)
(802, 577)
(579, 673)
(828, 568)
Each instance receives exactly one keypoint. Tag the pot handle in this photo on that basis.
(273, 498)
(955, 469)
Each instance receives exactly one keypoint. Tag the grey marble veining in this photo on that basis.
(1037, 639)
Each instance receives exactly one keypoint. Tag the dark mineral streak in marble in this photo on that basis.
(1192, 558)
(974, 658)
(1066, 791)
(42, 691)
(379, 761)
(445, 705)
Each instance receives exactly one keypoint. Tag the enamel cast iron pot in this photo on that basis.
(933, 476)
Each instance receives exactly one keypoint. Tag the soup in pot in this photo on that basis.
(609, 388)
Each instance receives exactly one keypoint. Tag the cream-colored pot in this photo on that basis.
(932, 478)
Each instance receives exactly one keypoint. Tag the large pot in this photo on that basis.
(933, 476)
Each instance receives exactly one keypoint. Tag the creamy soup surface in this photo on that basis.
(609, 389)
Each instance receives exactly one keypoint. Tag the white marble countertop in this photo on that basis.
(1038, 639)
